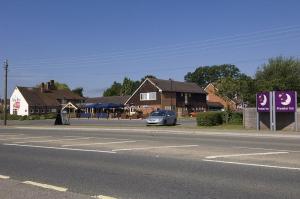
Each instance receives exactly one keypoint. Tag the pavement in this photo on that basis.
(144, 163)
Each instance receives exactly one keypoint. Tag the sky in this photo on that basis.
(92, 43)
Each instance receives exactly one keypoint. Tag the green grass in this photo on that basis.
(224, 127)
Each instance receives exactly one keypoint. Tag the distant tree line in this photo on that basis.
(127, 87)
(279, 73)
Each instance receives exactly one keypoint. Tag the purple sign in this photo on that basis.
(263, 102)
(285, 101)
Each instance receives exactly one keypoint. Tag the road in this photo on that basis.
(147, 164)
(182, 122)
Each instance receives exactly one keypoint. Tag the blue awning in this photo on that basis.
(104, 106)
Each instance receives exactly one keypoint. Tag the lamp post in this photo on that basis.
(171, 81)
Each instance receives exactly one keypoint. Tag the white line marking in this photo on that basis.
(176, 132)
(57, 140)
(10, 134)
(291, 151)
(103, 197)
(255, 165)
(59, 148)
(26, 138)
(98, 143)
(157, 147)
(4, 177)
(46, 186)
(245, 154)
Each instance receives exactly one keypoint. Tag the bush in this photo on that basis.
(232, 117)
(50, 116)
(209, 118)
(236, 118)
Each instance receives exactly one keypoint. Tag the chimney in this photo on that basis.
(52, 84)
(48, 86)
(42, 87)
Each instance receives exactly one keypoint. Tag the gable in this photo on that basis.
(145, 87)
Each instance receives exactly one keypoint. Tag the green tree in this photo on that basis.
(114, 90)
(207, 74)
(280, 73)
(78, 91)
(128, 86)
(147, 76)
(61, 86)
(241, 88)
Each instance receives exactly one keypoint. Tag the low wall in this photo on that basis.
(285, 121)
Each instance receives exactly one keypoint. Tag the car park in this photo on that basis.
(162, 117)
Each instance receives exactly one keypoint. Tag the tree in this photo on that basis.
(280, 73)
(128, 86)
(114, 90)
(208, 74)
(147, 76)
(241, 88)
(78, 91)
(61, 86)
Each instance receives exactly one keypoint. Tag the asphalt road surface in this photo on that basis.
(182, 122)
(147, 164)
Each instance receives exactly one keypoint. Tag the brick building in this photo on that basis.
(217, 102)
(181, 97)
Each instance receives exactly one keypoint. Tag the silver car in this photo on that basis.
(162, 117)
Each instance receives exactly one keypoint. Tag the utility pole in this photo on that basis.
(5, 66)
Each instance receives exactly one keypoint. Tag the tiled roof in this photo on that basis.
(110, 99)
(175, 86)
(35, 97)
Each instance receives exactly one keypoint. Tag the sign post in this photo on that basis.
(286, 101)
(263, 105)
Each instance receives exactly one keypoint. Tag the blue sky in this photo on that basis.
(91, 43)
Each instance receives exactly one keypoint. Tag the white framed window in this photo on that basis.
(148, 96)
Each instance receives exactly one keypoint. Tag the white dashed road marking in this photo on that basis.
(25, 138)
(251, 164)
(103, 197)
(98, 143)
(245, 154)
(56, 140)
(46, 186)
(157, 147)
(4, 177)
(10, 135)
(267, 149)
(60, 148)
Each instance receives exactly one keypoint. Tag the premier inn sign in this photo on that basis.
(263, 102)
(285, 101)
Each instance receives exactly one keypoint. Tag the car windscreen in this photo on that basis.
(158, 113)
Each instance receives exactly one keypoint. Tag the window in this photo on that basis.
(148, 96)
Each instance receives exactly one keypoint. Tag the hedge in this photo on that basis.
(218, 118)
(30, 117)
(209, 118)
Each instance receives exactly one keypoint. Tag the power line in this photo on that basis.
(236, 37)
(167, 54)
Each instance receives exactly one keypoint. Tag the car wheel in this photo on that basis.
(174, 123)
(165, 122)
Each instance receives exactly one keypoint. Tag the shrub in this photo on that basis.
(209, 118)
(236, 118)
(50, 116)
